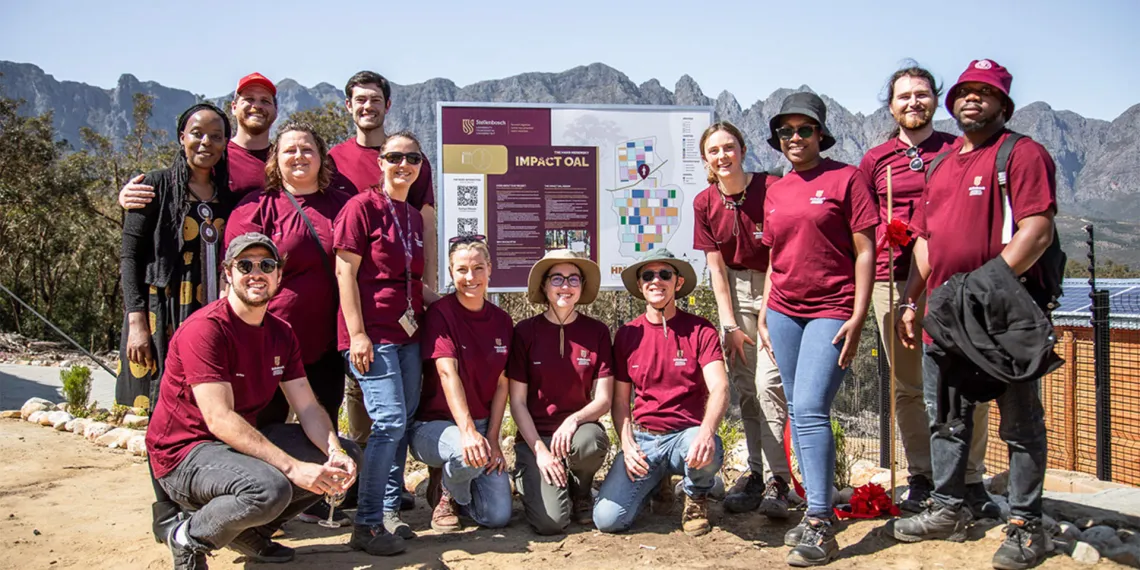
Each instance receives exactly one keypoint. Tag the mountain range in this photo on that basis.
(1098, 162)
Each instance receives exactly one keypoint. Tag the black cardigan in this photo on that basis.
(152, 237)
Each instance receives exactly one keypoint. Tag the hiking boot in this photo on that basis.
(746, 494)
(257, 548)
(165, 515)
(445, 517)
(434, 486)
(980, 503)
(936, 522)
(695, 517)
(375, 540)
(794, 534)
(1026, 545)
(396, 526)
(407, 500)
(582, 510)
(661, 502)
(320, 512)
(918, 491)
(775, 502)
(191, 556)
(817, 544)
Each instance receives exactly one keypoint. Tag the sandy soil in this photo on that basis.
(66, 504)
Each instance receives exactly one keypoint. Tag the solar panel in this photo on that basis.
(1123, 299)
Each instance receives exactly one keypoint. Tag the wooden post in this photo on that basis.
(891, 334)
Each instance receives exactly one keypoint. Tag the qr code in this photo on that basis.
(467, 196)
(468, 226)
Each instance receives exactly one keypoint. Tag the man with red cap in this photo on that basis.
(969, 215)
(255, 108)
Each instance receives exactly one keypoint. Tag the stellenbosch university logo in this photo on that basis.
(482, 127)
(468, 126)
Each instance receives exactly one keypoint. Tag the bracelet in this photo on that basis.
(333, 449)
(727, 329)
(911, 306)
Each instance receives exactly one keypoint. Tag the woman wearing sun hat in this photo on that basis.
(561, 373)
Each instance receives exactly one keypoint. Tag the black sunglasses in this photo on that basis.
(458, 240)
(398, 157)
(805, 132)
(245, 266)
(664, 274)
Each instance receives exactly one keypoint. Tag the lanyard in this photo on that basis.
(406, 241)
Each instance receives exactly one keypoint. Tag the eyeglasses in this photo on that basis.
(982, 91)
(558, 280)
(245, 266)
(805, 132)
(413, 158)
(664, 274)
(459, 240)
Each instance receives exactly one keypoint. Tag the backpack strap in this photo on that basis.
(1002, 166)
(934, 162)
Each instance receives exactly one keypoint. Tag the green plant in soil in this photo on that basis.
(76, 389)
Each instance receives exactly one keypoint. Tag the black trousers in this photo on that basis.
(326, 376)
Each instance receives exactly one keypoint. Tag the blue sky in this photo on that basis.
(1081, 56)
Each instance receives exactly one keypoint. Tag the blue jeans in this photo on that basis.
(485, 497)
(809, 365)
(620, 499)
(391, 389)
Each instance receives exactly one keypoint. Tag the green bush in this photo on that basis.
(76, 389)
(842, 461)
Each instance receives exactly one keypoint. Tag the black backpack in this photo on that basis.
(1052, 262)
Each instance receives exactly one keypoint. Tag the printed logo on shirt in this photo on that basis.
(680, 360)
(818, 199)
(583, 357)
(977, 189)
(758, 233)
(278, 370)
(499, 348)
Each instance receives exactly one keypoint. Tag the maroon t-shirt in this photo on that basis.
(667, 372)
(810, 218)
(906, 190)
(307, 298)
(735, 233)
(366, 227)
(558, 385)
(960, 213)
(478, 340)
(215, 345)
(361, 167)
(247, 168)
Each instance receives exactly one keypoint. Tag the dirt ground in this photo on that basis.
(65, 503)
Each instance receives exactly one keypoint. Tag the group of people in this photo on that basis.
(326, 264)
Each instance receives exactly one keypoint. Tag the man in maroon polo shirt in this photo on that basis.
(912, 98)
(225, 363)
(673, 364)
(963, 221)
(255, 108)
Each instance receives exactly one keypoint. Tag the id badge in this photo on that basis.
(408, 321)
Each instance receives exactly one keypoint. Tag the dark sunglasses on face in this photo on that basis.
(558, 280)
(413, 158)
(458, 240)
(664, 274)
(805, 132)
(245, 266)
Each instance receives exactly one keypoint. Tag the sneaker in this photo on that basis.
(661, 502)
(257, 548)
(320, 512)
(695, 517)
(582, 510)
(407, 501)
(1026, 545)
(445, 517)
(375, 540)
(396, 526)
(936, 522)
(980, 503)
(746, 494)
(794, 534)
(165, 515)
(775, 502)
(817, 544)
(919, 488)
(190, 556)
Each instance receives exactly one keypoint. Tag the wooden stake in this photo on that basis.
(891, 333)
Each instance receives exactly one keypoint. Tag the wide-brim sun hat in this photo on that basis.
(591, 276)
(630, 276)
(808, 105)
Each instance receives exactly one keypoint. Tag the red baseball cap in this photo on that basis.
(256, 79)
(985, 71)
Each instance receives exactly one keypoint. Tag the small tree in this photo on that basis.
(76, 389)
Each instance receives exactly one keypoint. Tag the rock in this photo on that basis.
(138, 411)
(412, 481)
(883, 479)
(1048, 524)
(1102, 537)
(95, 429)
(35, 405)
(737, 457)
(863, 471)
(1127, 536)
(116, 438)
(998, 484)
(1085, 553)
(137, 445)
(1068, 531)
(10, 414)
(36, 416)
(70, 426)
(45, 417)
(844, 497)
(59, 420)
(133, 421)
(1126, 554)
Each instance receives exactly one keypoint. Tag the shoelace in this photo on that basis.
(814, 533)
(773, 490)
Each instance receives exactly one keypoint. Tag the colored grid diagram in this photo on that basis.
(631, 156)
(648, 214)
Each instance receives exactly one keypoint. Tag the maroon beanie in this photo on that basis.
(985, 71)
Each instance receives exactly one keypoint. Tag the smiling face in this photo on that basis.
(255, 288)
(657, 292)
(203, 139)
(802, 152)
(724, 154)
(471, 272)
(368, 106)
(298, 158)
(254, 109)
(566, 295)
(978, 105)
(404, 173)
(913, 103)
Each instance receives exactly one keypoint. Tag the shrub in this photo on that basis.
(76, 389)
(842, 461)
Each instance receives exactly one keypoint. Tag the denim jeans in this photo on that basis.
(809, 365)
(228, 492)
(547, 507)
(1022, 429)
(620, 499)
(485, 497)
(391, 389)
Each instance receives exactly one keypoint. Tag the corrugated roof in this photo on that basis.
(1076, 305)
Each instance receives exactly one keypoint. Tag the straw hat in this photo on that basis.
(591, 276)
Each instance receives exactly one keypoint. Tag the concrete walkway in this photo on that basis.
(18, 383)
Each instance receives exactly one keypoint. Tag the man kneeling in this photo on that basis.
(224, 365)
(675, 362)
